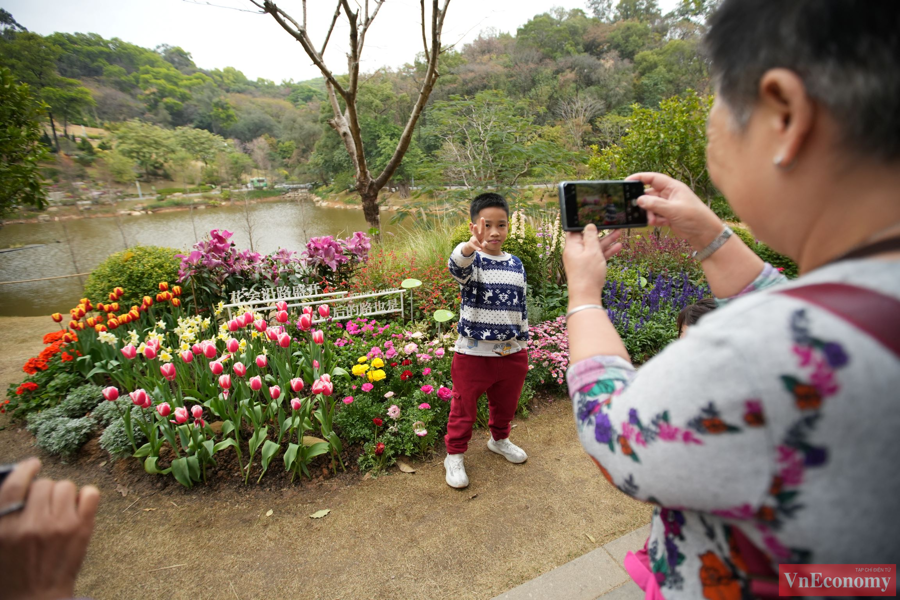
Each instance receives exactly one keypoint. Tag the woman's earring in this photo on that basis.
(779, 162)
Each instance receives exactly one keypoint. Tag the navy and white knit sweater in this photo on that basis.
(493, 296)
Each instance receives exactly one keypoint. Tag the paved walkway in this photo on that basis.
(597, 574)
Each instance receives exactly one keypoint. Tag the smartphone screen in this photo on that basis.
(606, 204)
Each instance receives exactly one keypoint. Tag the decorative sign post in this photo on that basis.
(343, 306)
(409, 284)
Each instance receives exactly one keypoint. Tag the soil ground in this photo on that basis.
(396, 536)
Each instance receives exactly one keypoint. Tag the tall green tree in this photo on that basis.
(20, 148)
(147, 145)
(68, 99)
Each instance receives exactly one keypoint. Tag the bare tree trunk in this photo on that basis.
(371, 210)
(53, 129)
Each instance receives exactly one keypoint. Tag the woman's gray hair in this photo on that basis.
(847, 52)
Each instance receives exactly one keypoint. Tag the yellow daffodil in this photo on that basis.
(243, 345)
(165, 356)
(377, 363)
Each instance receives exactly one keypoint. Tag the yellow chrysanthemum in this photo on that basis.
(377, 363)
(362, 359)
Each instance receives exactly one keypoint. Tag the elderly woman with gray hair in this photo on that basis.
(768, 435)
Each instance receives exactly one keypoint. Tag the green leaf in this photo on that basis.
(208, 446)
(150, 465)
(225, 444)
(408, 284)
(258, 436)
(335, 442)
(290, 456)
(316, 450)
(181, 471)
(442, 316)
(269, 450)
(340, 372)
(227, 427)
(193, 467)
(142, 451)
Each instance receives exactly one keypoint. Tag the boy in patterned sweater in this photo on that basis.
(490, 354)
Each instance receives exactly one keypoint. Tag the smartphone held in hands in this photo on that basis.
(606, 204)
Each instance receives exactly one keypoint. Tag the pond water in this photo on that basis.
(274, 225)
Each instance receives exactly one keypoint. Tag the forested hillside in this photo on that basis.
(506, 109)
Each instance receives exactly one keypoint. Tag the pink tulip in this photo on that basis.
(275, 392)
(426, 371)
(239, 369)
(307, 310)
(197, 349)
(111, 393)
(296, 385)
(168, 371)
(323, 385)
(187, 356)
(181, 415)
(281, 305)
(248, 318)
(216, 367)
(197, 411)
(348, 400)
(163, 409)
(225, 381)
(284, 340)
(209, 349)
(262, 361)
(140, 398)
(427, 389)
(281, 316)
(233, 325)
(256, 383)
(150, 352)
(324, 311)
(295, 403)
(304, 323)
(260, 325)
(232, 345)
(315, 364)
(318, 336)
(272, 334)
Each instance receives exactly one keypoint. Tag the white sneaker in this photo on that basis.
(456, 471)
(507, 449)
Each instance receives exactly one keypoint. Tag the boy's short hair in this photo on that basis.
(487, 200)
(690, 314)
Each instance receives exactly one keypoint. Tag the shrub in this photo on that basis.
(137, 270)
(779, 261)
(115, 438)
(107, 412)
(64, 436)
(81, 401)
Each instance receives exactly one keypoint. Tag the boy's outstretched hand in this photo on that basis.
(475, 242)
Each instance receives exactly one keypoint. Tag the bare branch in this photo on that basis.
(368, 21)
(337, 13)
(304, 16)
(424, 41)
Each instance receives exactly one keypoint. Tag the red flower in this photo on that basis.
(28, 386)
(406, 375)
(378, 423)
(66, 357)
(393, 364)
(379, 449)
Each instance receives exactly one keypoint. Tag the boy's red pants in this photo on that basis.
(502, 377)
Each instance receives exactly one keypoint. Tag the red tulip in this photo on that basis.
(284, 340)
(281, 316)
(260, 325)
(305, 322)
(197, 411)
(275, 392)
(295, 403)
(176, 290)
(318, 336)
(197, 349)
(140, 398)
(176, 302)
(113, 297)
(119, 292)
(113, 323)
(209, 350)
(163, 409)
(111, 393)
(247, 318)
(115, 306)
(323, 385)
(168, 371)
(233, 326)
(232, 345)
(296, 384)
(281, 305)
(272, 333)
(225, 382)
(100, 328)
(187, 356)
(57, 317)
(163, 286)
(324, 311)
(239, 369)
(307, 310)
(181, 415)
(150, 352)
(262, 361)
(216, 367)
(256, 383)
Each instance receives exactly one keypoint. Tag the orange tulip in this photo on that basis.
(176, 302)
(176, 289)
(148, 300)
(91, 321)
(56, 317)
(79, 313)
(73, 324)
(99, 318)
(100, 328)
(115, 306)
(119, 292)
(163, 286)
(113, 297)
(160, 297)
(69, 337)
(134, 314)
(101, 306)
(88, 306)
(113, 323)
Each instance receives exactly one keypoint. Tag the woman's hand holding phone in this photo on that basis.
(670, 203)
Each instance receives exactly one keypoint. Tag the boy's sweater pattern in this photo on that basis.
(493, 296)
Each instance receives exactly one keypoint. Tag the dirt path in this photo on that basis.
(397, 536)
